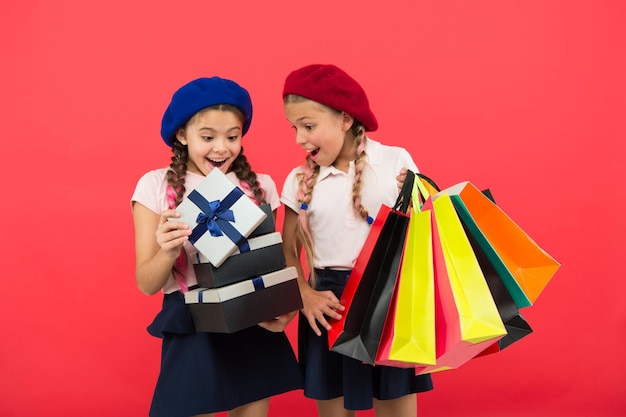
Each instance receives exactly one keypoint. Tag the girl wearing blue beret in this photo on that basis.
(204, 373)
(331, 200)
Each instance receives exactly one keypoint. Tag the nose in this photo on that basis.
(300, 139)
(219, 144)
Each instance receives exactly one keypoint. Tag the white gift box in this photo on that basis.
(265, 255)
(221, 217)
(246, 303)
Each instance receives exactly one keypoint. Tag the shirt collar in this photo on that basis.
(371, 160)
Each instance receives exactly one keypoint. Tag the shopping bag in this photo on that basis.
(409, 333)
(467, 320)
(525, 267)
(369, 289)
(515, 324)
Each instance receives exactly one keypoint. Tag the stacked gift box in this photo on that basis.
(240, 266)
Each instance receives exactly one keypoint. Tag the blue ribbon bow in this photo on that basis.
(216, 217)
(215, 212)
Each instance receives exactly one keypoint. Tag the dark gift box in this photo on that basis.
(246, 303)
(267, 225)
(265, 255)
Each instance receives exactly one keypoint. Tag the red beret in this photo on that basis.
(332, 87)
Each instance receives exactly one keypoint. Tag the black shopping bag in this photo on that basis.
(376, 273)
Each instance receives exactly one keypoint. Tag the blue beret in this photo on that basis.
(199, 94)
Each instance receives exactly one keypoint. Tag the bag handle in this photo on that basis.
(415, 185)
(426, 180)
(404, 198)
(420, 189)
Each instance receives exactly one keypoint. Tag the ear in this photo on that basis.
(346, 121)
(180, 135)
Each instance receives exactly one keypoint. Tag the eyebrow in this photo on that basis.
(214, 130)
(299, 119)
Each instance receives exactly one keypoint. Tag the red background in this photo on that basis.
(527, 98)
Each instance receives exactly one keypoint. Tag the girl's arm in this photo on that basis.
(316, 303)
(158, 243)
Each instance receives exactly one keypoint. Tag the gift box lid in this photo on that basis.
(254, 243)
(221, 217)
(220, 295)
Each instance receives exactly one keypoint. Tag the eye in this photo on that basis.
(233, 138)
(207, 138)
(308, 127)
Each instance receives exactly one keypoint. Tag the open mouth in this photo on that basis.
(217, 163)
(314, 152)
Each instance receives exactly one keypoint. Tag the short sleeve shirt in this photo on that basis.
(151, 192)
(338, 230)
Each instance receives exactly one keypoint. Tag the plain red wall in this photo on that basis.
(527, 98)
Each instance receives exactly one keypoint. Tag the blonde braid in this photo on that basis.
(359, 164)
(307, 180)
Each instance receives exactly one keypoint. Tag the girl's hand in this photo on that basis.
(170, 234)
(279, 323)
(401, 177)
(318, 305)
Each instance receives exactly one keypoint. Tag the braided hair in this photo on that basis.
(176, 183)
(308, 178)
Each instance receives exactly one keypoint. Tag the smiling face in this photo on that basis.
(322, 131)
(213, 139)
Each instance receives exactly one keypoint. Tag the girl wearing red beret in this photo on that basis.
(330, 202)
(204, 373)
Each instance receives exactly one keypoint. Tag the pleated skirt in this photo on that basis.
(329, 375)
(211, 372)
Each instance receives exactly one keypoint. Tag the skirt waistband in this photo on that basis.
(331, 279)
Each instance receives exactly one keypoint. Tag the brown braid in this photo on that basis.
(176, 179)
(242, 169)
(178, 170)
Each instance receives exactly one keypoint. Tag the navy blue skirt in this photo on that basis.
(329, 375)
(211, 372)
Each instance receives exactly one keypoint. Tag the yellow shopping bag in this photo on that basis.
(409, 334)
(467, 320)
